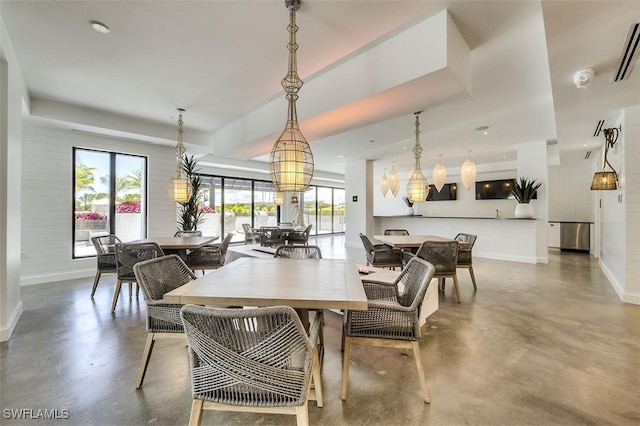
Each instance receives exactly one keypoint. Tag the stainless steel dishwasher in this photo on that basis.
(574, 236)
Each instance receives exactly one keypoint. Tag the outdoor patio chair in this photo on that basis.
(392, 319)
(127, 255)
(210, 257)
(381, 255)
(443, 255)
(105, 256)
(257, 360)
(157, 277)
(465, 257)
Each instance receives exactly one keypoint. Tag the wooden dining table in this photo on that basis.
(408, 241)
(179, 245)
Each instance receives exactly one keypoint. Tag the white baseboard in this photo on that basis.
(58, 276)
(7, 331)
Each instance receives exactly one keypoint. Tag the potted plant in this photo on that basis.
(524, 189)
(409, 205)
(190, 214)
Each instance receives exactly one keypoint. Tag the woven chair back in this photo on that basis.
(128, 254)
(161, 275)
(470, 239)
(298, 252)
(415, 277)
(443, 255)
(396, 232)
(368, 245)
(247, 357)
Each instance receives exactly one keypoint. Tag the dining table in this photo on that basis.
(408, 241)
(179, 245)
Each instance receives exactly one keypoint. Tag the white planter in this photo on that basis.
(524, 211)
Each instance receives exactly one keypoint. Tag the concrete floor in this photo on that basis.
(536, 344)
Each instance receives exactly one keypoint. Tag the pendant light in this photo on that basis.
(394, 180)
(439, 176)
(418, 185)
(279, 199)
(180, 186)
(607, 181)
(384, 184)
(291, 161)
(468, 173)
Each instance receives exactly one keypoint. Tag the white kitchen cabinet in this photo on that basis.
(554, 234)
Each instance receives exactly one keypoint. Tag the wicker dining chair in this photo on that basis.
(127, 255)
(271, 236)
(299, 237)
(210, 257)
(256, 359)
(157, 277)
(251, 236)
(443, 255)
(298, 251)
(396, 232)
(465, 257)
(105, 256)
(381, 255)
(392, 318)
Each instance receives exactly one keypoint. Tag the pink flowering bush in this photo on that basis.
(128, 207)
(90, 216)
(206, 209)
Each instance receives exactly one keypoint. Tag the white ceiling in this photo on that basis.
(223, 61)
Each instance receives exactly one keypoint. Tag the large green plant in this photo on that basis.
(190, 214)
(524, 189)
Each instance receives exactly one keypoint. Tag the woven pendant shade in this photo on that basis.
(418, 185)
(607, 181)
(180, 186)
(394, 181)
(291, 161)
(468, 174)
(384, 184)
(439, 176)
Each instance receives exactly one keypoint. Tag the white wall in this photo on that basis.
(47, 203)
(570, 199)
(631, 203)
(11, 94)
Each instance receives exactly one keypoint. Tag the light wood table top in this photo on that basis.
(179, 243)
(299, 283)
(408, 241)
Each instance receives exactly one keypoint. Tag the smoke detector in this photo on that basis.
(583, 77)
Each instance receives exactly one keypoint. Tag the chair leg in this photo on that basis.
(130, 288)
(345, 366)
(196, 412)
(421, 376)
(473, 277)
(116, 294)
(317, 380)
(146, 356)
(455, 284)
(95, 283)
(302, 415)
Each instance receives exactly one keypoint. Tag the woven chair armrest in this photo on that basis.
(314, 332)
(377, 290)
(161, 304)
(388, 305)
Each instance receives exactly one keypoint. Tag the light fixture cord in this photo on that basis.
(180, 146)
(417, 149)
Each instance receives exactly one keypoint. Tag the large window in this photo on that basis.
(109, 197)
(249, 201)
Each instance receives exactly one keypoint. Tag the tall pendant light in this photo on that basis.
(291, 161)
(418, 185)
(439, 176)
(468, 173)
(180, 186)
(384, 184)
(394, 180)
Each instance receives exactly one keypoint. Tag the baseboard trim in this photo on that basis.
(7, 331)
(59, 276)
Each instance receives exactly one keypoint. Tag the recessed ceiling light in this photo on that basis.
(100, 27)
(340, 156)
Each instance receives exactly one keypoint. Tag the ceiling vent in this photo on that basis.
(587, 155)
(598, 129)
(628, 55)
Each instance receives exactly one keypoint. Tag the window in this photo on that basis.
(109, 197)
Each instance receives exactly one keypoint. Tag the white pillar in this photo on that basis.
(359, 201)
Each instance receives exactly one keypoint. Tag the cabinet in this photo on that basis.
(554, 234)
